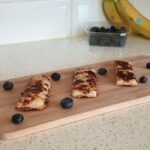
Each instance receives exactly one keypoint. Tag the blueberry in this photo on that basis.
(107, 30)
(143, 79)
(55, 76)
(117, 31)
(17, 118)
(122, 30)
(148, 65)
(113, 29)
(95, 29)
(102, 29)
(66, 102)
(8, 85)
(102, 71)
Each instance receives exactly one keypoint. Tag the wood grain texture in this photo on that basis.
(110, 98)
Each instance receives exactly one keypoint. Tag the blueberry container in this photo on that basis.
(107, 35)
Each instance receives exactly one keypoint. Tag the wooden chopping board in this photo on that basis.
(110, 98)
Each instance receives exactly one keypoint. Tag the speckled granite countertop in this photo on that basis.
(127, 129)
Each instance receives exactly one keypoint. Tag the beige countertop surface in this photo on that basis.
(127, 129)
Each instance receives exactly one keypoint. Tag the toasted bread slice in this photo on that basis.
(36, 94)
(84, 83)
(124, 74)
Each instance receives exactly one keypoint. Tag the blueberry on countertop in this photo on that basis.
(95, 29)
(102, 71)
(67, 102)
(8, 85)
(55, 76)
(143, 79)
(148, 65)
(17, 118)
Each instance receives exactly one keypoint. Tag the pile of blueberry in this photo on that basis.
(112, 36)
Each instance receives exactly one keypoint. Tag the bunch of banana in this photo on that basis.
(133, 17)
(111, 12)
(122, 12)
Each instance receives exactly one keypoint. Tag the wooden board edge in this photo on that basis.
(71, 119)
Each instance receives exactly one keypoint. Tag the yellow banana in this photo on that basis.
(134, 18)
(111, 13)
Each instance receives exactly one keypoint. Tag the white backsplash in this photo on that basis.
(27, 21)
(30, 20)
(85, 11)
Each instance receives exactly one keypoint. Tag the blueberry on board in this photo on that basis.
(102, 71)
(148, 65)
(143, 79)
(122, 30)
(66, 102)
(95, 29)
(8, 85)
(55, 76)
(17, 118)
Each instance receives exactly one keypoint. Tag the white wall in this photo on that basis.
(34, 20)
(143, 6)
(29, 20)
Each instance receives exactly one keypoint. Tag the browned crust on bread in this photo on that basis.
(124, 74)
(84, 82)
(36, 93)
